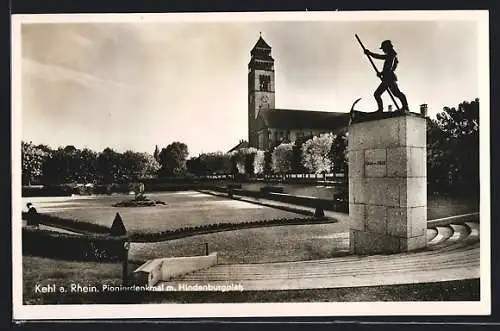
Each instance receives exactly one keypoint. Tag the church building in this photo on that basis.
(269, 126)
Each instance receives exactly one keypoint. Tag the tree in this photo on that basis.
(131, 162)
(194, 166)
(86, 165)
(249, 158)
(33, 158)
(149, 166)
(282, 158)
(338, 152)
(237, 162)
(316, 153)
(156, 153)
(110, 166)
(210, 163)
(243, 160)
(268, 162)
(297, 166)
(69, 164)
(259, 162)
(213, 163)
(55, 167)
(138, 166)
(460, 122)
(173, 158)
(453, 147)
(226, 164)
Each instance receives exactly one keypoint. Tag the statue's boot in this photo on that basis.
(405, 109)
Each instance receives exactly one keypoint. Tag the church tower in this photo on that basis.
(260, 86)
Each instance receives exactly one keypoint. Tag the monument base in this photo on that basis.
(365, 243)
(387, 183)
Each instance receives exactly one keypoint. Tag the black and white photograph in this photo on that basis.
(250, 164)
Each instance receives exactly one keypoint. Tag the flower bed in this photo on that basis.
(223, 226)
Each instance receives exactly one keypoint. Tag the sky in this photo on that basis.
(134, 85)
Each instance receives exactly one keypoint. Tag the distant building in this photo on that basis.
(241, 144)
(269, 126)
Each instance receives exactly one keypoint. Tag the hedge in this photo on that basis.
(70, 224)
(162, 187)
(274, 189)
(223, 226)
(65, 246)
(46, 191)
(68, 190)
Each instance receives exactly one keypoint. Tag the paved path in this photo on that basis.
(452, 254)
(340, 217)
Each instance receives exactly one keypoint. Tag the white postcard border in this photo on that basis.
(99, 311)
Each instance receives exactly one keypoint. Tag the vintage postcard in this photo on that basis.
(250, 164)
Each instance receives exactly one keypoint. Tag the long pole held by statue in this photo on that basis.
(376, 70)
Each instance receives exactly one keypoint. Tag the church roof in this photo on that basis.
(290, 119)
(241, 144)
(261, 44)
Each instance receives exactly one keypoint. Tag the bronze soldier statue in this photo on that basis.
(387, 75)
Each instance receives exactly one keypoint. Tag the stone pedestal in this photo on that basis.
(387, 183)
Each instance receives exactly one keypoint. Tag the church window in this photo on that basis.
(264, 82)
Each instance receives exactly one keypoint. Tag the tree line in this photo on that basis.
(44, 165)
(453, 148)
(452, 157)
(322, 154)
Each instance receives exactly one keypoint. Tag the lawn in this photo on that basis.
(38, 271)
(445, 206)
(269, 244)
(187, 208)
(191, 208)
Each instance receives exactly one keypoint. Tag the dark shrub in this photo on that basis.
(46, 191)
(72, 247)
(83, 190)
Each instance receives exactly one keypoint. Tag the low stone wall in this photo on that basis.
(154, 271)
(306, 201)
(470, 217)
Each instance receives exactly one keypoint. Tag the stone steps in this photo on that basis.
(352, 280)
(431, 234)
(452, 253)
(458, 258)
(443, 233)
